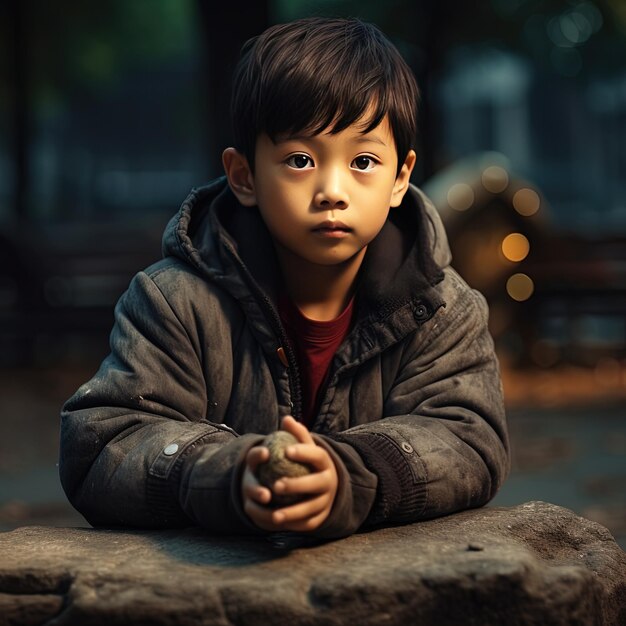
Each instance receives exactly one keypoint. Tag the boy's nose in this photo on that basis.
(331, 192)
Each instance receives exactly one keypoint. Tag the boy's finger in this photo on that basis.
(310, 454)
(298, 430)
(319, 482)
(302, 510)
(307, 524)
(251, 488)
(260, 515)
(256, 492)
(256, 455)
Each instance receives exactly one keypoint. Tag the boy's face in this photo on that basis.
(325, 197)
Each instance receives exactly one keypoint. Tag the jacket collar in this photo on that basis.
(230, 244)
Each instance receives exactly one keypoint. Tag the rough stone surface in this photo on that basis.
(278, 466)
(534, 564)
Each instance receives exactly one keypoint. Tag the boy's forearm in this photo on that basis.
(164, 473)
(209, 489)
(442, 445)
(426, 470)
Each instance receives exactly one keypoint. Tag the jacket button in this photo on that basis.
(407, 447)
(171, 449)
(421, 313)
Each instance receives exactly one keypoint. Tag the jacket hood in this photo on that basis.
(230, 245)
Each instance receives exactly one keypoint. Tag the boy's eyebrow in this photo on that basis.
(370, 138)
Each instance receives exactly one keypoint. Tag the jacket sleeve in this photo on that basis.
(442, 444)
(135, 446)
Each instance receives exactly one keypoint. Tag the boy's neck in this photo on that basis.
(321, 292)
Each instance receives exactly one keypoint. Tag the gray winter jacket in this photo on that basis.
(412, 413)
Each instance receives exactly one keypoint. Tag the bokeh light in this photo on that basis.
(526, 201)
(591, 12)
(520, 287)
(495, 179)
(515, 247)
(576, 27)
(460, 197)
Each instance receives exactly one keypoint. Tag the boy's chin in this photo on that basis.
(335, 262)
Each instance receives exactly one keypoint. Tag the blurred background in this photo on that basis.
(110, 113)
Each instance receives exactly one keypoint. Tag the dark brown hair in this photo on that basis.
(318, 73)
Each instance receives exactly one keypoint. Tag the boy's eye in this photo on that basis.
(363, 163)
(299, 161)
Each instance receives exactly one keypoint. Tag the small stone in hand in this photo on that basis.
(279, 466)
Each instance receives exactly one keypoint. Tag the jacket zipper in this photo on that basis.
(293, 371)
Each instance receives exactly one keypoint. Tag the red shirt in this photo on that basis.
(315, 344)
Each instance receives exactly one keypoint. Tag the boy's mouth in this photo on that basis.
(332, 229)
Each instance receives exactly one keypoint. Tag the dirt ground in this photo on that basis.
(568, 435)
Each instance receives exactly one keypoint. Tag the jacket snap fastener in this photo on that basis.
(421, 312)
(282, 356)
(407, 447)
(171, 449)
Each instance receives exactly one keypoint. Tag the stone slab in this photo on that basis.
(535, 563)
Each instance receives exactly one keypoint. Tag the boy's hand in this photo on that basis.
(319, 487)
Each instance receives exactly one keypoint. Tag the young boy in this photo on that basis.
(309, 290)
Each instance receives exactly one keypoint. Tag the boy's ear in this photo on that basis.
(239, 176)
(402, 180)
